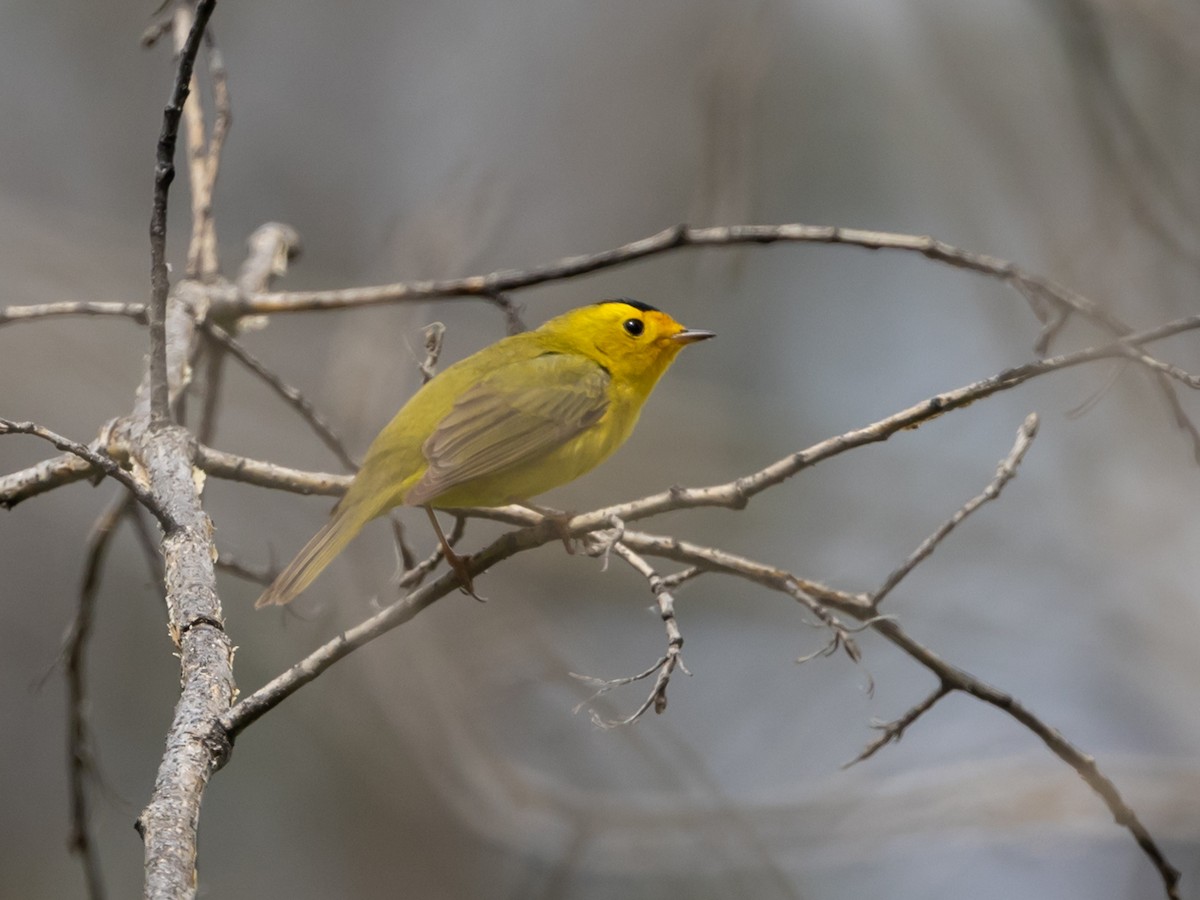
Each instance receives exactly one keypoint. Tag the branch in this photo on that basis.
(203, 154)
(894, 730)
(169, 822)
(662, 669)
(219, 464)
(1004, 474)
(80, 759)
(96, 460)
(495, 284)
(250, 708)
(951, 676)
(1083, 764)
(164, 174)
(135, 311)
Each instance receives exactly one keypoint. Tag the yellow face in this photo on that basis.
(633, 340)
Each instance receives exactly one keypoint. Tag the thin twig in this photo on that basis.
(151, 546)
(406, 556)
(214, 377)
(663, 668)
(81, 763)
(435, 333)
(292, 396)
(98, 460)
(513, 321)
(891, 732)
(1006, 471)
(415, 574)
(264, 575)
(164, 174)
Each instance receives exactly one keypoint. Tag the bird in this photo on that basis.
(528, 413)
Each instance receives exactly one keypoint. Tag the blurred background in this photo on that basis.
(427, 139)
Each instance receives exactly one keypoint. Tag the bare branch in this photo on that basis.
(164, 174)
(46, 476)
(97, 459)
(951, 676)
(496, 283)
(1004, 474)
(271, 247)
(201, 257)
(414, 574)
(168, 823)
(1083, 764)
(81, 764)
(264, 474)
(661, 669)
(135, 311)
(894, 730)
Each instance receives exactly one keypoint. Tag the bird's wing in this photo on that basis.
(514, 415)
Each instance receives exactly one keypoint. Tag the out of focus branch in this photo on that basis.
(677, 237)
(81, 764)
(292, 396)
(135, 311)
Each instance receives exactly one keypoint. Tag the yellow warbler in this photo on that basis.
(526, 414)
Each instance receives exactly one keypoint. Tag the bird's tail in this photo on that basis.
(319, 552)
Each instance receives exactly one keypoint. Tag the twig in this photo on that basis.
(435, 333)
(951, 676)
(250, 708)
(227, 562)
(292, 396)
(1006, 471)
(406, 556)
(891, 732)
(80, 758)
(151, 546)
(416, 573)
(135, 311)
(661, 669)
(513, 322)
(164, 174)
(97, 460)
(201, 256)
(214, 377)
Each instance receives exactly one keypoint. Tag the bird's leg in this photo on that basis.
(559, 520)
(456, 562)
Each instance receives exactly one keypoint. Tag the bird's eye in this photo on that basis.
(634, 327)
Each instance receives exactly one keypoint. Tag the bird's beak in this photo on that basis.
(691, 335)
